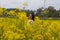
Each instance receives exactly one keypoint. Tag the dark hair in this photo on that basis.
(33, 16)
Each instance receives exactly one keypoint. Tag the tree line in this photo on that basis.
(43, 13)
(46, 13)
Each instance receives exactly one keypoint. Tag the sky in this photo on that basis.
(32, 4)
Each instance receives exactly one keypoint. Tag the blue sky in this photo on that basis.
(32, 4)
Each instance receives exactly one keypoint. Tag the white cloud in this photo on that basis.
(32, 4)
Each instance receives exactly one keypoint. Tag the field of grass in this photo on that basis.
(17, 29)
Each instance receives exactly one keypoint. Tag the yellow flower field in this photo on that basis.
(17, 28)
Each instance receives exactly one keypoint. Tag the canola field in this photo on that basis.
(18, 29)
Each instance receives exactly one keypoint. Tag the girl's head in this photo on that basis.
(31, 16)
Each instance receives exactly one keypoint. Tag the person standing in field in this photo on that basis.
(31, 18)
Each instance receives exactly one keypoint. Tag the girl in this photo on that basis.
(31, 18)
